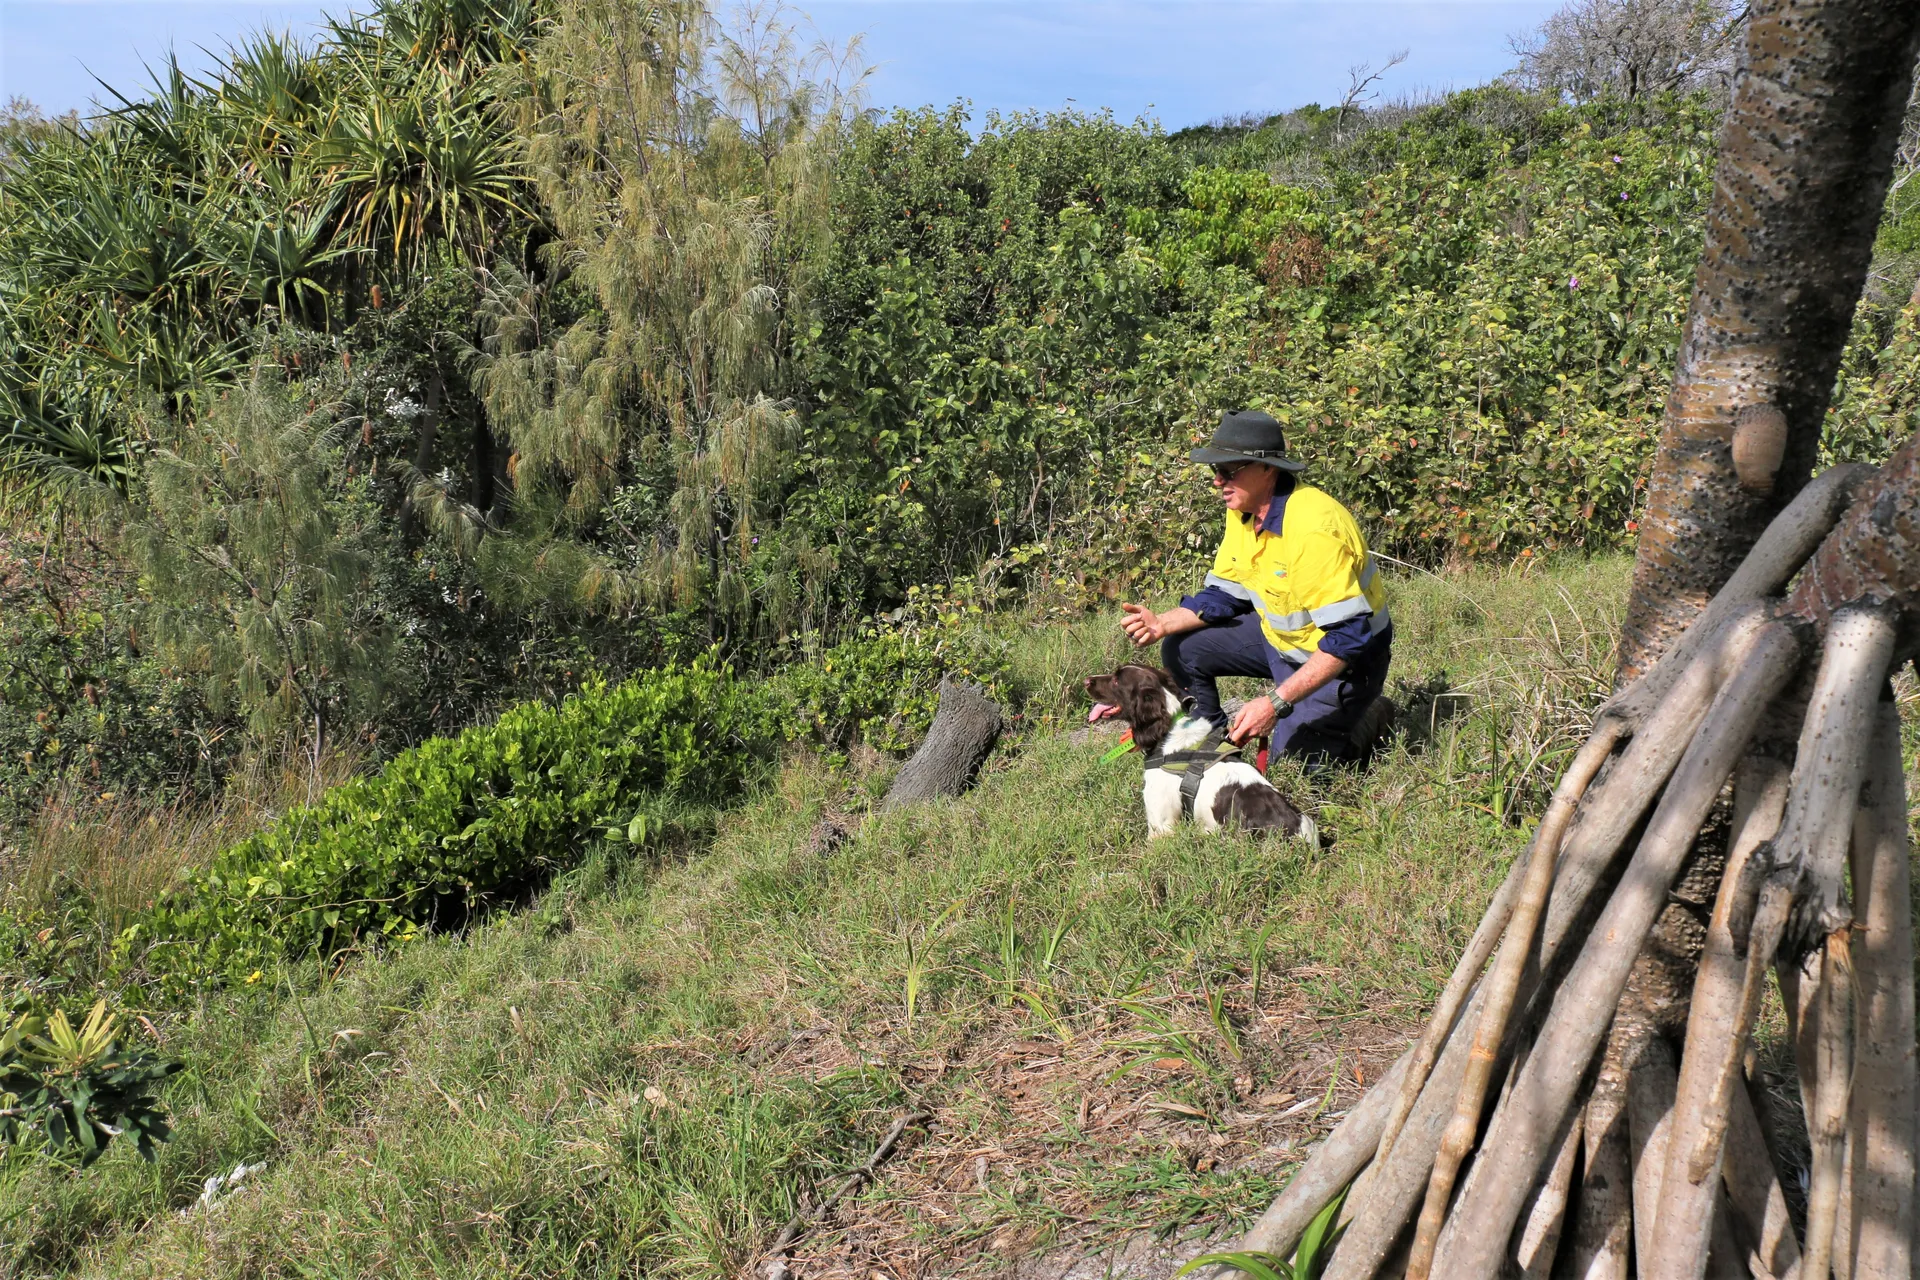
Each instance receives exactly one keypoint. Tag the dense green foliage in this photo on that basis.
(458, 822)
(524, 378)
(881, 686)
(81, 704)
(1467, 328)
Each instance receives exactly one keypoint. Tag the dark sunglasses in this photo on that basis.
(1225, 471)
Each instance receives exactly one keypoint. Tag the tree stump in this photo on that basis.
(964, 730)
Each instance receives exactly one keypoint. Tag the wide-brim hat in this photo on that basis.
(1247, 435)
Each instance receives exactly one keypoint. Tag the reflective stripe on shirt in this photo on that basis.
(1229, 586)
(1328, 614)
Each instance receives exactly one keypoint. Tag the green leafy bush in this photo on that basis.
(457, 822)
(1467, 322)
(84, 704)
(882, 686)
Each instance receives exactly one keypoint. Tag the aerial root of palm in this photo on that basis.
(1503, 987)
(1526, 888)
(1602, 1238)
(1521, 1131)
(1824, 1050)
(1880, 1144)
(1711, 1083)
(1389, 1195)
(1481, 1154)
(1757, 1199)
(1539, 1242)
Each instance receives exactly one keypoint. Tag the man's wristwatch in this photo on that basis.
(1281, 707)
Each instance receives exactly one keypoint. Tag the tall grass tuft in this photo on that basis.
(114, 855)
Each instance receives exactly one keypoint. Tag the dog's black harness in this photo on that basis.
(1192, 764)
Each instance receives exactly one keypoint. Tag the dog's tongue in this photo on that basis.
(1101, 710)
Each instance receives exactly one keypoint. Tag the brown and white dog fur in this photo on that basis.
(1232, 794)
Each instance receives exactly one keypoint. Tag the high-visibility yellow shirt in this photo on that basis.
(1312, 573)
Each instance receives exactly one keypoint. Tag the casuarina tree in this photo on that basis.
(1579, 1103)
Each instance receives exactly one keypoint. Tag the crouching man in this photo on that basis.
(1293, 597)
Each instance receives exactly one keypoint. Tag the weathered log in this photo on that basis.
(965, 727)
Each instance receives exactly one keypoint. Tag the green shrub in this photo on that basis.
(1467, 324)
(81, 706)
(455, 823)
(882, 686)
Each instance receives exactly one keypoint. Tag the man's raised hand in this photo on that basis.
(1141, 624)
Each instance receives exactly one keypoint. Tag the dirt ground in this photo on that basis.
(995, 1183)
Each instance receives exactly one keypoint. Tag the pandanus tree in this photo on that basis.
(1579, 1103)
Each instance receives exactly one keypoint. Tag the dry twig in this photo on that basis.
(779, 1265)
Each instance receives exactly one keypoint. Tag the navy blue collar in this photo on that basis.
(1276, 509)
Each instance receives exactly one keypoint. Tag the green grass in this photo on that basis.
(646, 1071)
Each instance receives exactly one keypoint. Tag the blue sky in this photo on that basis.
(1182, 61)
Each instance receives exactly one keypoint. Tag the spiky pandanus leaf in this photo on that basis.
(72, 1090)
(283, 257)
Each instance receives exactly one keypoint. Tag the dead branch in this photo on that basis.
(779, 1265)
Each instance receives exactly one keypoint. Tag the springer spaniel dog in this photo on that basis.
(1190, 766)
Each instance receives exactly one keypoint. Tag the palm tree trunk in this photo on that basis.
(1805, 157)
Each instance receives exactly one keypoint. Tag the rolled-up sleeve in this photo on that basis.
(1348, 639)
(1218, 600)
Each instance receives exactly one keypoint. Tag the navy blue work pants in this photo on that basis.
(1320, 723)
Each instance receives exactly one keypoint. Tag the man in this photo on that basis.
(1293, 596)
